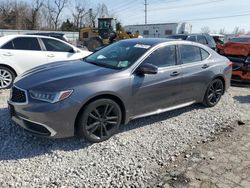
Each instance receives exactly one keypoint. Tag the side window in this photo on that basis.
(23, 43)
(8, 45)
(163, 57)
(204, 54)
(202, 39)
(57, 46)
(190, 54)
(192, 38)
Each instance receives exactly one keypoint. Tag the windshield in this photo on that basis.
(240, 39)
(119, 55)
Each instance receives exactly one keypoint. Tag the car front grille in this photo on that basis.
(18, 95)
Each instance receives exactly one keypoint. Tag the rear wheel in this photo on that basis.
(92, 44)
(100, 120)
(6, 77)
(214, 92)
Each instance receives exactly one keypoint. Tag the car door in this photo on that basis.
(59, 51)
(196, 71)
(159, 91)
(23, 53)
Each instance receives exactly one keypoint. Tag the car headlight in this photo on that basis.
(51, 97)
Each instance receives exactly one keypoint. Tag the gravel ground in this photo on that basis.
(131, 158)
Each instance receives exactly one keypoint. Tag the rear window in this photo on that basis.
(241, 39)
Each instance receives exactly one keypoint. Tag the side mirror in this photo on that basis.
(147, 69)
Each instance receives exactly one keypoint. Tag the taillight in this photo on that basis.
(230, 63)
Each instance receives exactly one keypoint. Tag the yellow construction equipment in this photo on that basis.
(106, 33)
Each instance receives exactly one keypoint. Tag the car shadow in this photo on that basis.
(242, 99)
(15, 143)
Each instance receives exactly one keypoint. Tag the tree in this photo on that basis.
(79, 13)
(68, 26)
(34, 13)
(238, 31)
(55, 10)
(222, 31)
(205, 29)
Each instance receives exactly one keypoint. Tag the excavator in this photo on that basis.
(108, 31)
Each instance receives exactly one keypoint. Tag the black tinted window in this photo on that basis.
(204, 54)
(23, 43)
(163, 57)
(202, 39)
(8, 45)
(54, 45)
(192, 38)
(190, 54)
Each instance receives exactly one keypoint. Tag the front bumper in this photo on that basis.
(45, 119)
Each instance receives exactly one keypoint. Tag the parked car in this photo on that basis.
(238, 51)
(19, 53)
(128, 79)
(60, 36)
(205, 39)
(218, 38)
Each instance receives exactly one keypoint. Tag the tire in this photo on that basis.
(92, 44)
(7, 77)
(213, 93)
(99, 120)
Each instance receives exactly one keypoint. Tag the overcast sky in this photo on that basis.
(215, 14)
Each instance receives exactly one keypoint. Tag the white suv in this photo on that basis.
(19, 53)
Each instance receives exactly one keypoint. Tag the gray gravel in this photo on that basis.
(131, 158)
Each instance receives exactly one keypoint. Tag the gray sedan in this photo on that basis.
(129, 79)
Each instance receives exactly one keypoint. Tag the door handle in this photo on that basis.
(8, 54)
(205, 66)
(50, 55)
(175, 73)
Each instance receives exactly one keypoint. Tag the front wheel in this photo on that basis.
(100, 120)
(6, 77)
(214, 92)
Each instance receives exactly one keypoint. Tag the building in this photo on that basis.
(159, 30)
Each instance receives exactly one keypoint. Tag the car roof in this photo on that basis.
(190, 34)
(46, 33)
(9, 37)
(243, 36)
(149, 41)
(157, 41)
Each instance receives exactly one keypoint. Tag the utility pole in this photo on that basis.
(146, 11)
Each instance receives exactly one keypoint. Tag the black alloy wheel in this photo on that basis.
(100, 120)
(214, 92)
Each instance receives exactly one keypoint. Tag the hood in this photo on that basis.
(65, 74)
(236, 49)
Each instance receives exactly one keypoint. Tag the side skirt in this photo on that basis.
(159, 111)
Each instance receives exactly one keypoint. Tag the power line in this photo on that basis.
(188, 5)
(213, 18)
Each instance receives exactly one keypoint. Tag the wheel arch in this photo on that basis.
(102, 96)
(9, 67)
(221, 77)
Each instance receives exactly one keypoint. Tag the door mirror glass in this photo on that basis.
(147, 69)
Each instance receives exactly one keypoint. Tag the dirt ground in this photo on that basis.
(222, 162)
